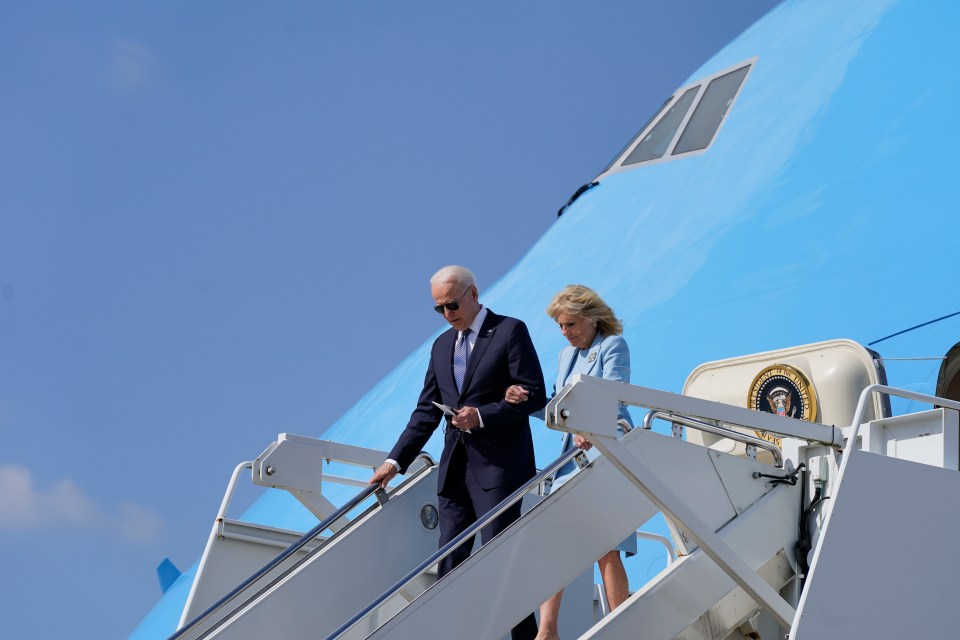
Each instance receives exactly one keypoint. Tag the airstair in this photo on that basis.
(748, 520)
(280, 574)
(594, 511)
(748, 511)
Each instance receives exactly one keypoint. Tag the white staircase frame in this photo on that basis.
(738, 526)
(553, 543)
(588, 405)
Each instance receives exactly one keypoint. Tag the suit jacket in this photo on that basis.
(501, 453)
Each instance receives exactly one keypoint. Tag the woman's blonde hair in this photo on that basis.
(579, 300)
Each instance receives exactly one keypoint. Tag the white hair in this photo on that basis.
(454, 273)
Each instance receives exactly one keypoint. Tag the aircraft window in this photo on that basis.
(687, 123)
(655, 143)
(711, 109)
(637, 134)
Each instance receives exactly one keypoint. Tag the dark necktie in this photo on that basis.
(460, 359)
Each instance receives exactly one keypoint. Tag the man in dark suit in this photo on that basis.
(487, 446)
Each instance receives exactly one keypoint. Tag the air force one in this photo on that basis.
(780, 240)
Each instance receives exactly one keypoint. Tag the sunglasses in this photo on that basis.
(450, 306)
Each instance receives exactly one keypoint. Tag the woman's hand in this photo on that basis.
(582, 442)
(516, 394)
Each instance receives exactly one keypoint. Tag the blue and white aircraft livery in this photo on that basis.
(797, 188)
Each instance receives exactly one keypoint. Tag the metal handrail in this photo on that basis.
(665, 541)
(890, 391)
(851, 444)
(716, 430)
(214, 533)
(304, 540)
(466, 534)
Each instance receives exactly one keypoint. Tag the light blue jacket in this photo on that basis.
(608, 358)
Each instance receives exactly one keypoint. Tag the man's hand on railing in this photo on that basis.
(384, 474)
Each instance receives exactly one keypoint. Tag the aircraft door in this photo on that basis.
(948, 382)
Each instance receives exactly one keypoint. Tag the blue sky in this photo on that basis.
(217, 221)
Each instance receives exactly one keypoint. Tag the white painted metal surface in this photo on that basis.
(319, 593)
(236, 550)
(563, 535)
(928, 437)
(544, 551)
(206, 590)
(680, 594)
(589, 410)
(675, 508)
(737, 613)
(296, 464)
(240, 550)
(877, 572)
(581, 407)
(738, 527)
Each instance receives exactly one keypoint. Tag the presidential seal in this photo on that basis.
(785, 391)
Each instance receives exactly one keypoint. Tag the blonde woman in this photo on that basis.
(596, 349)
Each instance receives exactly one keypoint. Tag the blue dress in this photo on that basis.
(609, 358)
